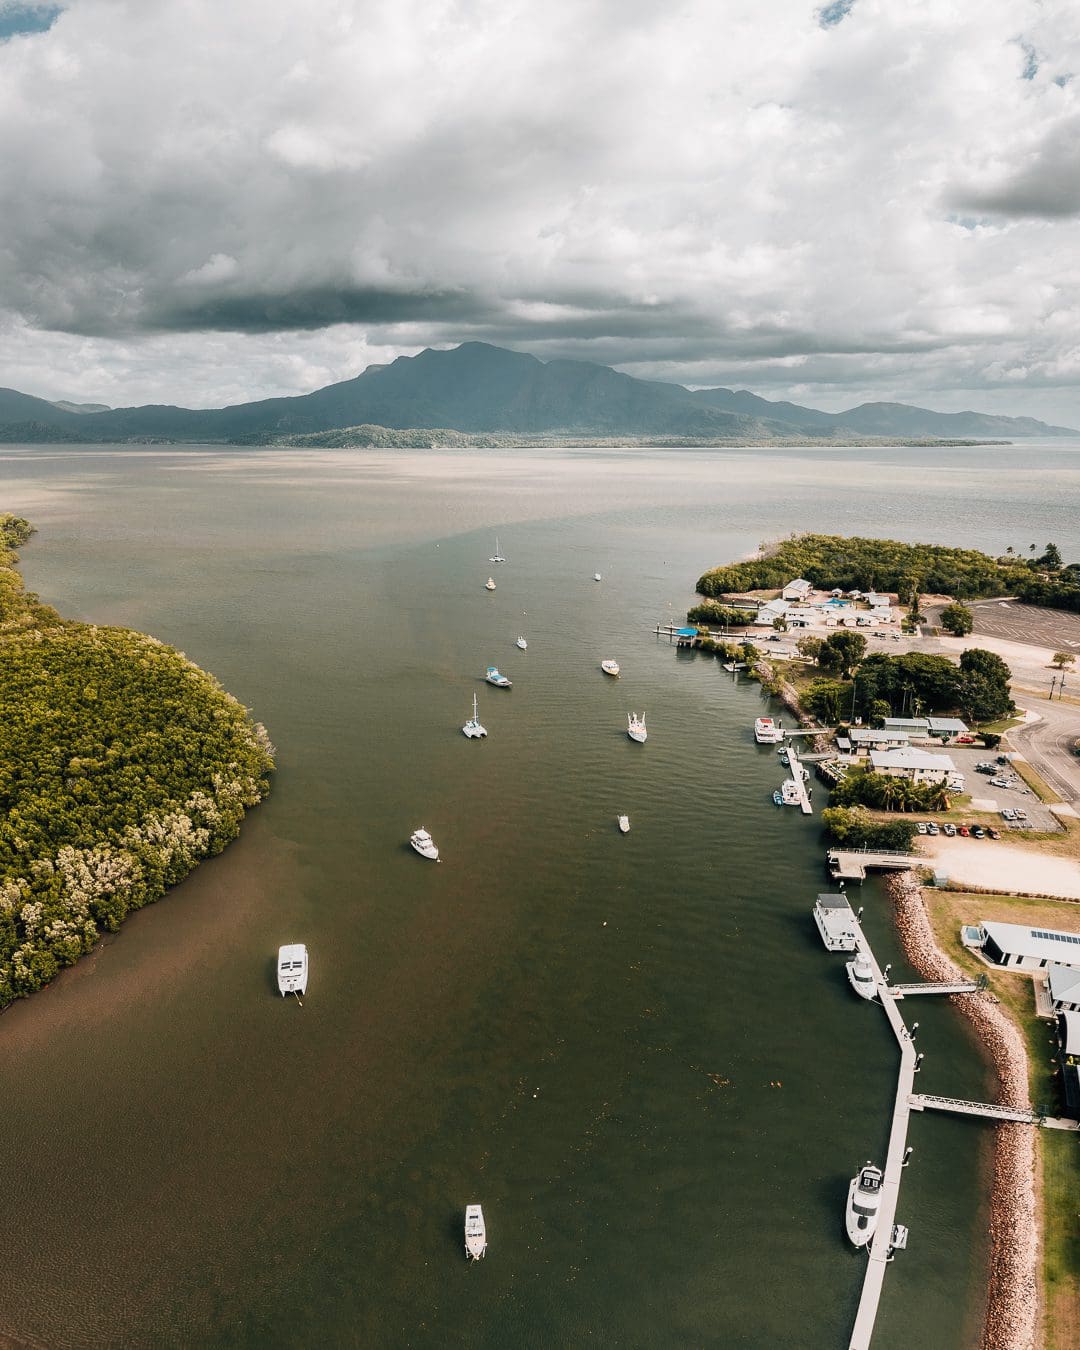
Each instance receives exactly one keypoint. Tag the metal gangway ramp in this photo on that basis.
(988, 1110)
(945, 987)
(852, 864)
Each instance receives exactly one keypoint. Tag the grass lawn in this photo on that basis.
(1059, 1152)
(1041, 790)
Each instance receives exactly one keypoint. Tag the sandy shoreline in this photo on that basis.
(1013, 1303)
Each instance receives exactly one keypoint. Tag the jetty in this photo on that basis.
(849, 864)
(799, 781)
(943, 987)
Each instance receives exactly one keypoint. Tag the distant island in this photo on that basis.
(122, 765)
(499, 398)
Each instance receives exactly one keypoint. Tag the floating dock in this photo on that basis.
(799, 781)
(853, 864)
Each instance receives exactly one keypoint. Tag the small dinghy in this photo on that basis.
(624, 824)
(610, 668)
(475, 1232)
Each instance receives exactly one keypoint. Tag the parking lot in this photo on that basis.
(1010, 793)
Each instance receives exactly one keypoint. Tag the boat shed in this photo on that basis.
(1063, 986)
(1023, 948)
(799, 589)
(770, 612)
(914, 726)
(907, 762)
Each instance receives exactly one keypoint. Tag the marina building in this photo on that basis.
(799, 589)
(1063, 987)
(917, 765)
(863, 739)
(1023, 948)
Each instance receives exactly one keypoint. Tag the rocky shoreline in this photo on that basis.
(1012, 1311)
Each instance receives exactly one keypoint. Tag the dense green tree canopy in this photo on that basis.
(122, 764)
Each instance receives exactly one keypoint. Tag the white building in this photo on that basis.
(867, 738)
(917, 765)
(1020, 947)
(1063, 986)
(947, 727)
(799, 589)
(770, 612)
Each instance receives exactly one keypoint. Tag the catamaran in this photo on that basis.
(475, 1232)
(424, 844)
(472, 727)
(497, 678)
(496, 557)
(635, 727)
(863, 1203)
(292, 969)
(610, 667)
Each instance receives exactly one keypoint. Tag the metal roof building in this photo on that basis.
(1016, 945)
(1063, 986)
(908, 762)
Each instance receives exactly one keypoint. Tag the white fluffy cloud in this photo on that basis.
(203, 203)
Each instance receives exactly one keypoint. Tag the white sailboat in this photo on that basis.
(635, 728)
(424, 844)
(475, 1232)
(472, 727)
(497, 556)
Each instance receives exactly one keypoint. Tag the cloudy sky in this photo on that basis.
(204, 201)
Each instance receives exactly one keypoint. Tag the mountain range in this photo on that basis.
(484, 390)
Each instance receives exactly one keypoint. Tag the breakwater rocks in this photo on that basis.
(1013, 1304)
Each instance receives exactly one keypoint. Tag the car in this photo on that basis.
(963, 829)
(1020, 815)
(992, 832)
(984, 766)
(1007, 813)
(931, 828)
(965, 740)
(948, 829)
(1003, 759)
(978, 832)
(920, 827)
(999, 782)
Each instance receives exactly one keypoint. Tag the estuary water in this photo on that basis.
(632, 1050)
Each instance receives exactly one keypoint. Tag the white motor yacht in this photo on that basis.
(424, 844)
(624, 824)
(489, 585)
(860, 974)
(522, 644)
(292, 969)
(789, 793)
(610, 667)
(475, 1232)
(863, 1203)
(472, 727)
(767, 732)
(497, 678)
(635, 728)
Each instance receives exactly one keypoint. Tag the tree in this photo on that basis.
(810, 647)
(1063, 659)
(826, 700)
(842, 652)
(1051, 558)
(779, 624)
(957, 619)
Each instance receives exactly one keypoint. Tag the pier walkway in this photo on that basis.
(990, 1111)
(881, 1246)
(956, 987)
(799, 781)
(853, 864)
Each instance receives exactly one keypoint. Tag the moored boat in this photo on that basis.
(423, 843)
(497, 678)
(789, 793)
(489, 585)
(522, 643)
(292, 969)
(475, 1232)
(497, 556)
(635, 728)
(624, 824)
(610, 667)
(860, 975)
(767, 732)
(836, 923)
(472, 727)
(597, 577)
(863, 1204)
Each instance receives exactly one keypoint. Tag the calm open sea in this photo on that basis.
(633, 1051)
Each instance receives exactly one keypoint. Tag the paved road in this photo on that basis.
(1047, 744)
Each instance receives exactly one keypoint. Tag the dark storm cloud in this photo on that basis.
(1047, 184)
